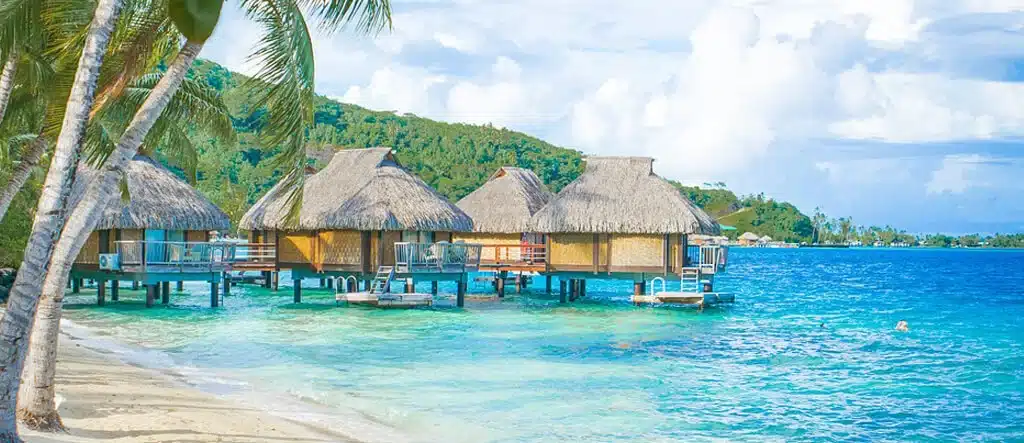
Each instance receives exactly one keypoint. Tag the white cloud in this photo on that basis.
(713, 89)
(910, 107)
(954, 174)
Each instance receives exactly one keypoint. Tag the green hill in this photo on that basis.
(453, 158)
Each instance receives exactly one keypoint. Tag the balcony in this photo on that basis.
(436, 257)
(710, 259)
(524, 256)
(169, 257)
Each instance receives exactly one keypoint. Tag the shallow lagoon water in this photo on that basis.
(529, 369)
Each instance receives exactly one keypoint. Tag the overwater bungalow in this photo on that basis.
(161, 234)
(501, 210)
(749, 239)
(365, 218)
(619, 220)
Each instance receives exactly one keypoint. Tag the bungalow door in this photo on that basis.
(156, 246)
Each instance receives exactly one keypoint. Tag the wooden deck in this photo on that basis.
(387, 300)
(685, 298)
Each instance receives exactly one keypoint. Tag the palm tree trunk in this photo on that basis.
(50, 217)
(7, 81)
(20, 175)
(38, 399)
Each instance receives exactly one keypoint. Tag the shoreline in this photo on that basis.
(108, 391)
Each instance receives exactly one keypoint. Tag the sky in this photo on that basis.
(900, 112)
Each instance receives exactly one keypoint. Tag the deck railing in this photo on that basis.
(254, 253)
(165, 256)
(437, 257)
(709, 258)
(525, 254)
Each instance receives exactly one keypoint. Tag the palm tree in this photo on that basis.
(286, 80)
(21, 304)
(196, 105)
(7, 81)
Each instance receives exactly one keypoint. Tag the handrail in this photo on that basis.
(527, 253)
(709, 258)
(652, 291)
(191, 256)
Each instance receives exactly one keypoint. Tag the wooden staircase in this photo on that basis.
(689, 280)
(382, 281)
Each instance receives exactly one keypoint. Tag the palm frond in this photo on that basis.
(365, 15)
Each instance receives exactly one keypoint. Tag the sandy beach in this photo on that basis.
(104, 399)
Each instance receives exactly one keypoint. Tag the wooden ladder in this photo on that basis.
(381, 282)
(689, 280)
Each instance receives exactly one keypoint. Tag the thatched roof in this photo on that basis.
(158, 200)
(506, 202)
(622, 195)
(361, 189)
(749, 236)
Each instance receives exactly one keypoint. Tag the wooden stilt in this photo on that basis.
(500, 282)
(410, 286)
(101, 293)
(352, 285)
(227, 284)
(519, 283)
(561, 291)
(547, 284)
(214, 296)
(135, 285)
(180, 286)
(274, 280)
(323, 283)
(460, 294)
(366, 285)
(574, 289)
(433, 288)
(150, 295)
(76, 285)
(583, 288)
(297, 291)
(115, 287)
(165, 292)
(330, 283)
(638, 288)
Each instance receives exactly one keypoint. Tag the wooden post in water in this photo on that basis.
(214, 296)
(519, 283)
(500, 284)
(433, 288)
(76, 285)
(274, 280)
(410, 286)
(165, 292)
(101, 293)
(135, 285)
(561, 290)
(115, 287)
(150, 295)
(366, 285)
(180, 287)
(460, 294)
(583, 288)
(323, 283)
(330, 283)
(638, 288)
(297, 291)
(574, 289)
(547, 284)
(227, 284)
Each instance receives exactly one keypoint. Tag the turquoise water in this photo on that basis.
(528, 369)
